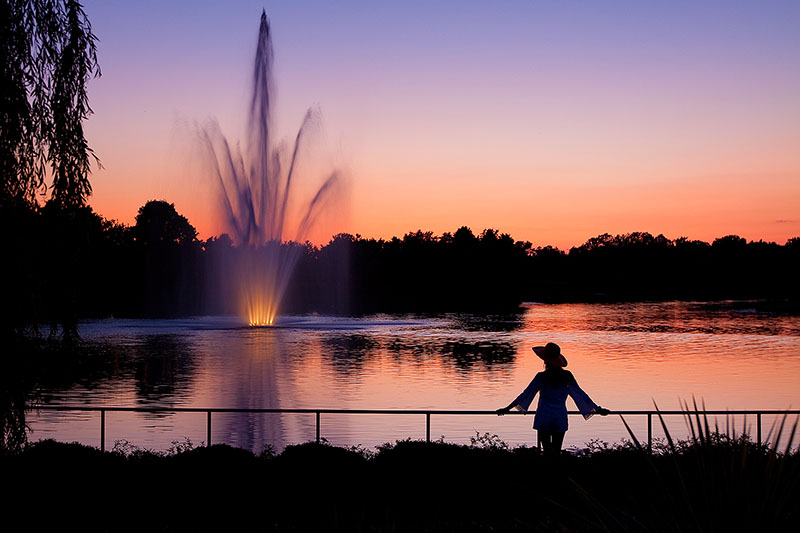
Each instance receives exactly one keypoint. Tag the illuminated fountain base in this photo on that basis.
(263, 277)
(261, 313)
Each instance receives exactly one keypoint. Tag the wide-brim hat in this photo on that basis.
(550, 353)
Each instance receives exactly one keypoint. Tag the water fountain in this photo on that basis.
(262, 203)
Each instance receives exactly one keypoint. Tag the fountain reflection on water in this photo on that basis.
(263, 201)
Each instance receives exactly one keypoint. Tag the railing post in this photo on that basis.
(427, 427)
(317, 427)
(649, 432)
(758, 428)
(208, 427)
(102, 430)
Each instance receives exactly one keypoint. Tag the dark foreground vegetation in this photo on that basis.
(68, 263)
(714, 483)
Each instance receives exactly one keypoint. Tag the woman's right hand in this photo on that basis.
(502, 411)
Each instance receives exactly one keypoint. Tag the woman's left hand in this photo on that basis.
(602, 411)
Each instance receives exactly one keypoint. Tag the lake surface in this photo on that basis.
(626, 356)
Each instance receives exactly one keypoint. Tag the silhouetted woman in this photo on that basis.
(553, 386)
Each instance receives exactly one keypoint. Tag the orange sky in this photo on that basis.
(549, 123)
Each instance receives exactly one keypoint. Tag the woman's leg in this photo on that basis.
(545, 440)
(557, 440)
(551, 441)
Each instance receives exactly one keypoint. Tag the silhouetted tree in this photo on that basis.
(20, 156)
(730, 242)
(220, 287)
(331, 275)
(70, 241)
(47, 54)
(68, 150)
(159, 223)
(171, 260)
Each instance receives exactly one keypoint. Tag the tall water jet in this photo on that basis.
(262, 205)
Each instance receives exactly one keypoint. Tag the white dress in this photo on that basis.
(553, 387)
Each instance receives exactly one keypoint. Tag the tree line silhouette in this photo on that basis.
(65, 264)
(492, 272)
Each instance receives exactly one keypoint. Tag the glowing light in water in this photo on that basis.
(261, 196)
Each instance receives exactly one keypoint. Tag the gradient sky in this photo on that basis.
(552, 121)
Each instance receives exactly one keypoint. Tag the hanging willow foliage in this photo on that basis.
(47, 55)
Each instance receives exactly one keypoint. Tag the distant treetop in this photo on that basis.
(159, 222)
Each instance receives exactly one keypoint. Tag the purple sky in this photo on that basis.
(553, 121)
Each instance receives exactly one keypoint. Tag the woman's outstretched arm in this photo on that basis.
(585, 405)
(523, 401)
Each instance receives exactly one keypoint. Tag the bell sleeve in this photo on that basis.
(523, 401)
(585, 404)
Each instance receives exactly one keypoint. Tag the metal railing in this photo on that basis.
(427, 412)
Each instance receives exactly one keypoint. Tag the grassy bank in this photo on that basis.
(709, 484)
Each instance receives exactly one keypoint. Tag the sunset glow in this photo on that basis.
(551, 122)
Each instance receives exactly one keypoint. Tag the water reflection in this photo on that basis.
(465, 355)
(349, 351)
(165, 366)
(505, 322)
(627, 354)
(662, 317)
(407, 347)
(243, 374)
(86, 367)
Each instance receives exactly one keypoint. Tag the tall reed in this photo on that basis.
(719, 480)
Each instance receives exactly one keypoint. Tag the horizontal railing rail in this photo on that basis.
(758, 413)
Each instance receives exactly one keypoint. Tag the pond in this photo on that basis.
(626, 356)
